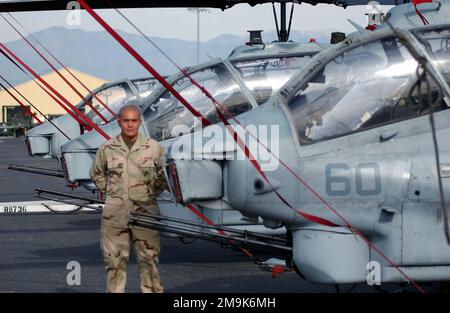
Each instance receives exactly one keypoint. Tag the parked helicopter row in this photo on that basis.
(357, 179)
(247, 78)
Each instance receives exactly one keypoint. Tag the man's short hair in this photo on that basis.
(129, 107)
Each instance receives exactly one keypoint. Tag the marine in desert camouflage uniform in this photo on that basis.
(128, 168)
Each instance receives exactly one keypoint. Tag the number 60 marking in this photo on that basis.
(344, 181)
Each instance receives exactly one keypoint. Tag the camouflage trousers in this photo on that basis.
(115, 244)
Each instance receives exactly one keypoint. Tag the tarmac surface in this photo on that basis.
(35, 249)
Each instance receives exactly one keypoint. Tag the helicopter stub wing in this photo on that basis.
(50, 5)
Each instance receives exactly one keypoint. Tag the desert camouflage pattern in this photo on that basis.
(134, 175)
(131, 179)
(115, 245)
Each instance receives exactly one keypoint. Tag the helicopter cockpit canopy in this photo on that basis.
(368, 86)
(144, 88)
(113, 97)
(167, 117)
(263, 77)
(437, 43)
(117, 96)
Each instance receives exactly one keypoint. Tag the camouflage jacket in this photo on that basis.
(128, 176)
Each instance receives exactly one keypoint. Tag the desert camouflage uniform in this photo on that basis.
(132, 179)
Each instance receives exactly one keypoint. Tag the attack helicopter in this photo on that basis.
(363, 157)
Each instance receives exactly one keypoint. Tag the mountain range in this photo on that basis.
(98, 54)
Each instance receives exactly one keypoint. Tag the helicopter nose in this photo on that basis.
(38, 145)
(45, 140)
(38, 140)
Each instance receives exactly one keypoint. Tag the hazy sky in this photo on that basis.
(181, 23)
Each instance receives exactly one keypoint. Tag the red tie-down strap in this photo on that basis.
(144, 63)
(33, 106)
(419, 14)
(27, 110)
(56, 71)
(76, 113)
(45, 90)
(209, 222)
(64, 67)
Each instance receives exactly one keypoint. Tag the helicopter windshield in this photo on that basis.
(365, 87)
(167, 117)
(145, 86)
(437, 42)
(263, 77)
(114, 97)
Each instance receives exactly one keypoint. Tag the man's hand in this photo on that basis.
(98, 170)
